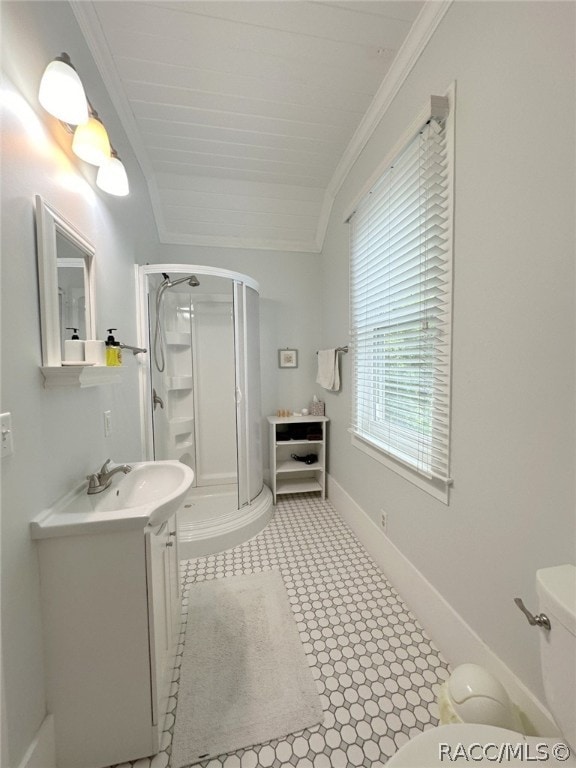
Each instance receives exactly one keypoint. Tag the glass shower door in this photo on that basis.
(248, 417)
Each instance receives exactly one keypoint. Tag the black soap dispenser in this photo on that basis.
(113, 351)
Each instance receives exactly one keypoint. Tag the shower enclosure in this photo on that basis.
(200, 389)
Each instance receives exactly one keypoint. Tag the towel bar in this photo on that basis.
(135, 350)
(341, 349)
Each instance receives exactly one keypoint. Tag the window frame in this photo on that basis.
(435, 486)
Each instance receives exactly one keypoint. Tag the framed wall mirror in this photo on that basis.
(66, 284)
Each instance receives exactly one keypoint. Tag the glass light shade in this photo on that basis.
(112, 177)
(62, 93)
(91, 142)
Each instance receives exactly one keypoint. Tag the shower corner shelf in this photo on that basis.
(178, 339)
(181, 425)
(287, 474)
(81, 376)
(180, 382)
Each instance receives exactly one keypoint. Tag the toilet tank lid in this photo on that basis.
(556, 588)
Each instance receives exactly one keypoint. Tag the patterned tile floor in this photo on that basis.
(376, 671)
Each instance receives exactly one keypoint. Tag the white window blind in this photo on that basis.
(401, 286)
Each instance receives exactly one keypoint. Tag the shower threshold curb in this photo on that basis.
(206, 537)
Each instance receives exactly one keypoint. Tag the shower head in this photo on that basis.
(166, 283)
(192, 281)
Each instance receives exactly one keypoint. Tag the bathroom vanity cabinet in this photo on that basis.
(111, 613)
(299, 435)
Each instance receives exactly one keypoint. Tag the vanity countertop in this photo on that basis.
(77, 514)
(145, 496)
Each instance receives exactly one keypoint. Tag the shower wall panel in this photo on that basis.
(174, 419)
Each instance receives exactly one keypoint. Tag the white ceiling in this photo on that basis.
(245, 116)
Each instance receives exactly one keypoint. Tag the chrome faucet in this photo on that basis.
(99, 481)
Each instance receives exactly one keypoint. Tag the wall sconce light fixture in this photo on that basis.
(62, 95)
(112, 177)
(91, 142)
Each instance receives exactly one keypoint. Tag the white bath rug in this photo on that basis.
(244, 678)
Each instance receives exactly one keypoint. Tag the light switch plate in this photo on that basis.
(6, 434)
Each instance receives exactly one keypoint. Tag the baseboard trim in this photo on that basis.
(457, 641)
(42, 751)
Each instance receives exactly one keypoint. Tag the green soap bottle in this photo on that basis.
(113, 351)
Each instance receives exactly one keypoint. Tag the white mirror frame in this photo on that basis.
(48, 223)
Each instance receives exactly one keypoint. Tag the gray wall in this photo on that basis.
(512, 507)
(58, 435)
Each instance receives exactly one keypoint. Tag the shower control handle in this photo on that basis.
(157, 400)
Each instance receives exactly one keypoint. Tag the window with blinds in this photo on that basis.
(401, 287)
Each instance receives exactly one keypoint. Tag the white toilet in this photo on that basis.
(461, 743)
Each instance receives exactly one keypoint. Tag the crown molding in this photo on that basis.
(91, 29)
(416, 41)
(422, 30)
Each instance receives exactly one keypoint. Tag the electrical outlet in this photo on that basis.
(383, 520)
(107, 423)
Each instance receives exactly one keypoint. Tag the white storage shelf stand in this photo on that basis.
(299, 435)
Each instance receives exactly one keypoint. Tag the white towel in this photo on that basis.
(328, 373)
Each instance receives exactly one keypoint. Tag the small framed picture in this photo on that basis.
(288, 358)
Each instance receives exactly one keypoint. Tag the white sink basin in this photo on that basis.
(156, 485)
(148, 495)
